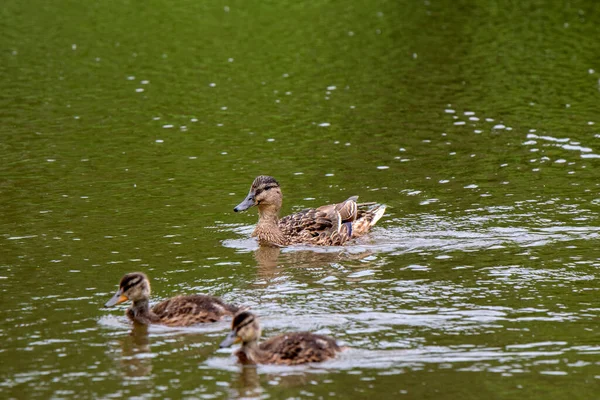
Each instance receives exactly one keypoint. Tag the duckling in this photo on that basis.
(176, 311)
(329, 225)
(287, 349)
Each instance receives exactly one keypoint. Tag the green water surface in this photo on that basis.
(129, 130)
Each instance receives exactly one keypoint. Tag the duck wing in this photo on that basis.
(298, 348)
(190, 310)
(313, 222)
(347, 209)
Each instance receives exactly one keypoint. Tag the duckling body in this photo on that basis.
(286, 349)
(176, 311)
(329, 225)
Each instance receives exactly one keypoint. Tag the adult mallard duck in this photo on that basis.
(287, 349)
(176, 311)
(330, 225)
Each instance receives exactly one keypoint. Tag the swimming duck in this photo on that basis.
(330, 225)
(287, 349)
(176, 311)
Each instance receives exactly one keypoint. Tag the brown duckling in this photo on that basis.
(176, 311)
(330, 225)
(287, 349)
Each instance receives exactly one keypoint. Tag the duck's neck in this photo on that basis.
(250, 353)
(140, 312)
(267, 230)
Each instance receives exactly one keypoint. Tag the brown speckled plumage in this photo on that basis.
(176, 311)
(329, 225)
(286, 349)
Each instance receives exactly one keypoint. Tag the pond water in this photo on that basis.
(130, 131)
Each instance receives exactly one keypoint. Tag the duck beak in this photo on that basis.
(246, 204)
(118, 298)
(232, 338)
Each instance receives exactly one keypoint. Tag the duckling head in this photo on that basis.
(264, 192)
(244, 328)
(134, 286)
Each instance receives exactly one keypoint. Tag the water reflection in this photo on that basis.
(273, 263)
(266, 258)
(251, 380)
(247, 383)
(136, 354)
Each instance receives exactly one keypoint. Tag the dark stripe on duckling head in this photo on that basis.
(131, 280)
(264, 180)
(242, 319)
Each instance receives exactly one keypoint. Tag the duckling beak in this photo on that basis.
(246, 204)
(118, 298)
(232, 338)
